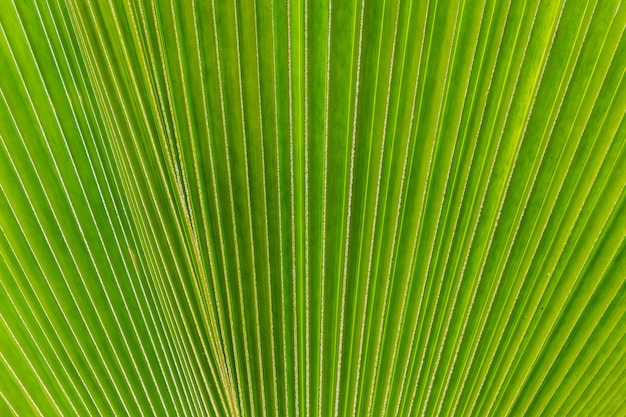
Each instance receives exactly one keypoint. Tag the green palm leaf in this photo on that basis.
(326, 208)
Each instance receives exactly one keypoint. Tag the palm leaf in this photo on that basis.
(257, 207)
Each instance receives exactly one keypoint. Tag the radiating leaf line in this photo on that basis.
(52, 291)
(74, 212)
(398, 218)
(324, 213)
(368, 275)
(21, 385)
(210, 320)
(51, 207)
(30, 364)
(349, 211)
(205, 223)
(480, 333)
(310, 208)
(119, 247)
(551, 273)
(544, 226)
(110, 223)
(374, 222)
(153, 297)
(292, 206)
(413, 248)
(41, 327)
(497, 217)
(559, 313)
(127, 118)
